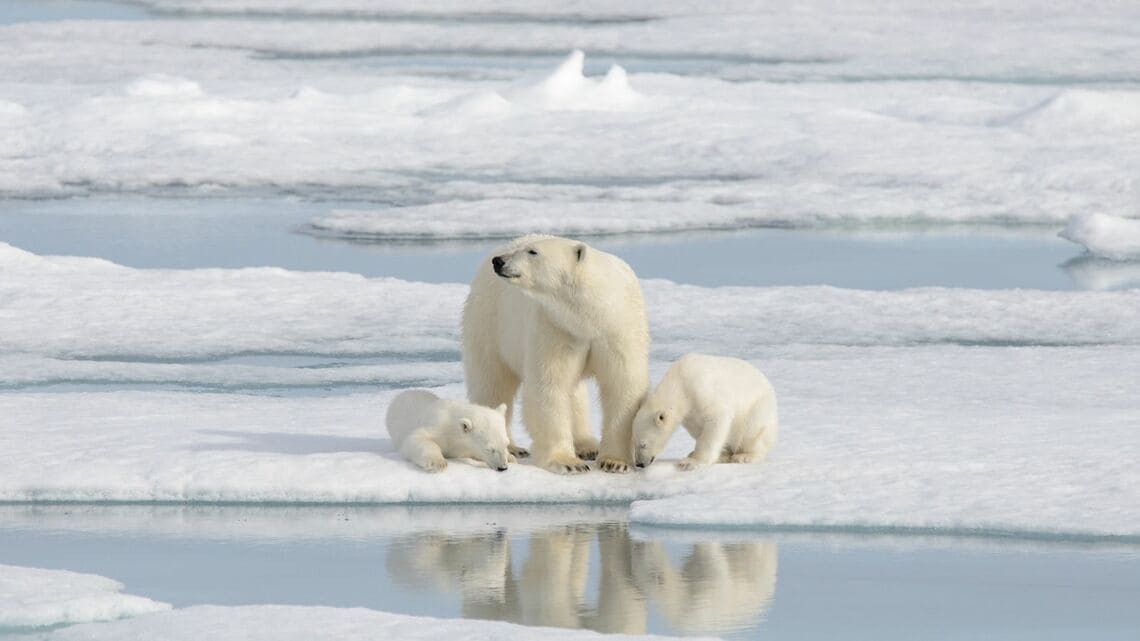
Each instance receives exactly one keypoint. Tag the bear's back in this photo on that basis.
(408, 411)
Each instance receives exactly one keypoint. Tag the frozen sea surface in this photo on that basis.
(233, 104)
(915, 448)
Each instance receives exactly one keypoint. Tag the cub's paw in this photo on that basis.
(688, 464)
(743, 457)
(520, 452)
(586, 449)
(434, 465)
(611, 464)
(567, 464)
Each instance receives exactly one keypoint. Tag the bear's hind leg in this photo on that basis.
(763, 426)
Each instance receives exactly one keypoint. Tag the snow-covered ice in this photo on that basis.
(36, 598)
(69, 311)
(931, 408)
(1106, 236)
(282, 623)
(510, 217)
(1025, 130)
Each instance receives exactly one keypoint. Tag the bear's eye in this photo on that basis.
(532, 252)
(661, 417)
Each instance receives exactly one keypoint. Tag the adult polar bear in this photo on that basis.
(548, 313)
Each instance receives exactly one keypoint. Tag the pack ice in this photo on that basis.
(901, 410)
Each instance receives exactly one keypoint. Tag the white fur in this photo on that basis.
(726, 404)
(427, 430)
(560, 312)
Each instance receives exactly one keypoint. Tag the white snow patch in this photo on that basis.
(11, 110)
(1084, 109)
(510, 217)
(301, 623)
(34, 598)
(1106, 236)
(76, 309)
(473, 105)
(164, 86)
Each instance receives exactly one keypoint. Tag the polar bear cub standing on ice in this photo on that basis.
(427, 430)
(726, 404)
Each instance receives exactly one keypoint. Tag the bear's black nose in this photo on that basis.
(501, 469)
(641, 465)
(497, 263)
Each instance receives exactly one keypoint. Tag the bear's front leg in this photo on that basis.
(585, 445)
(422, 451)
(619, 405)
(546, 413)
(710, 442)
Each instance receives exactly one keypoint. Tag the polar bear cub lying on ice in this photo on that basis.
(427, 430)
(726, 404)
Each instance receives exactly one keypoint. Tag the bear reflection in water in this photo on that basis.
(712, 588)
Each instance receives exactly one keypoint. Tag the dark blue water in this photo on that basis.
(244, 232)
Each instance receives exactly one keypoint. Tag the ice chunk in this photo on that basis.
(1106, 236)
(1084, 109)
(567, 88)
(11, 110)
(36, 598)
(164, 86)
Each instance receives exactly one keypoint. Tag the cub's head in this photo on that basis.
(540, 264)
(483, 431)
(654, 423)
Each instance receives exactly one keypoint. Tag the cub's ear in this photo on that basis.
(465, 425)
(502, 409)
(580, 251)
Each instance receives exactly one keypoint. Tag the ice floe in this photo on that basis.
(37, 598)
(89, 319)
(908, 409)
(284, 623)
(1105, 236)
(278, 106)
(507, 218)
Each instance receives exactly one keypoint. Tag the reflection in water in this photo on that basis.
(1101, 274)
(714, 588)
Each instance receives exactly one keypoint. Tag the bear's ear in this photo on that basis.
(502, 409)
(580, 251)
(465, 425)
